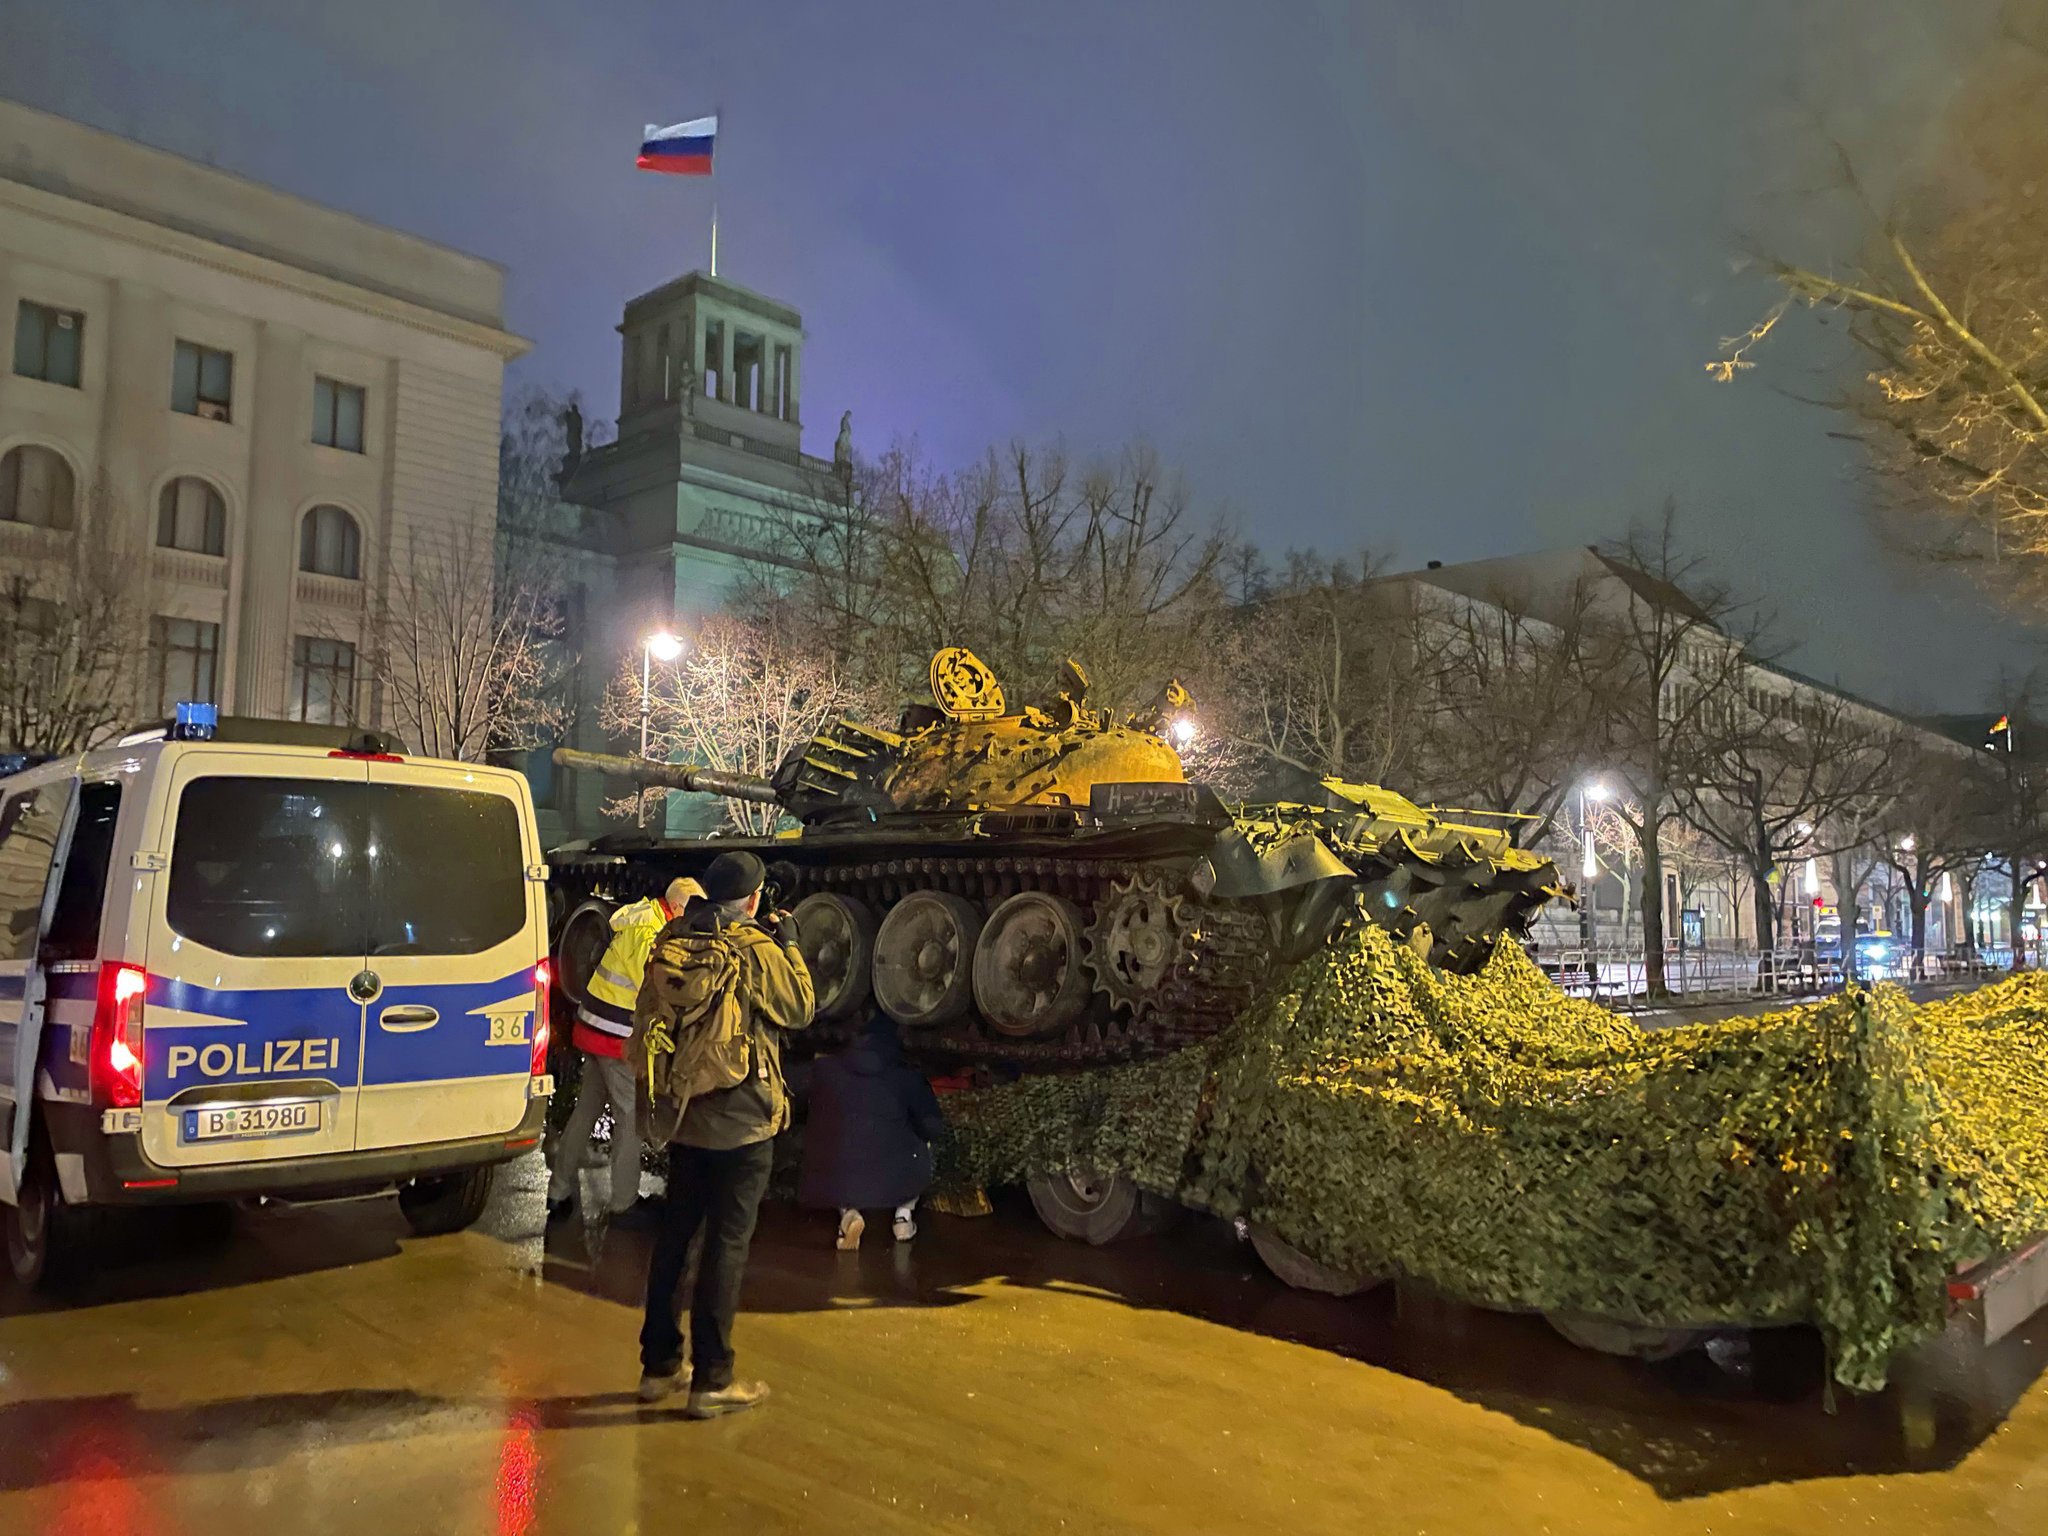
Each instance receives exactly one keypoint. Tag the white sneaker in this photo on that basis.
(851, 1225)
(904, 1226)
(654, 1388)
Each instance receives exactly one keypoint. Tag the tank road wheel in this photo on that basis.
(924, 959)
(1633, 1341)
(837, 936)
(585, 934)
(1296, 1270)
(1029, 978)
(1097, 1208)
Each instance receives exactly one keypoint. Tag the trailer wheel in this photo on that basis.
(1298, 1271)
(1097, 1208)
(1632, 1341)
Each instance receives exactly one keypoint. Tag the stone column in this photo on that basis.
(266, 552)
(726, 390)
(795, 352)
(135, 394)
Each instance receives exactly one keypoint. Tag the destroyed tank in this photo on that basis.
(1046, 885)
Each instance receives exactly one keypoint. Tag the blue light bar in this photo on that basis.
(195, 721)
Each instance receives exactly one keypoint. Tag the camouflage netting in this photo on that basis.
(1505, 1143)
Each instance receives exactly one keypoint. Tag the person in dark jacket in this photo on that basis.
(723, 1150)
(867, 1144)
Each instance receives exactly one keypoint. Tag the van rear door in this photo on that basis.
(252, 1025)
(33, 824)
(456, 927)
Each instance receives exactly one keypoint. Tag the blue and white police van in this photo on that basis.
(251, 958)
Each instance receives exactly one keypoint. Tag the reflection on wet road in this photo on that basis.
(314, 1370)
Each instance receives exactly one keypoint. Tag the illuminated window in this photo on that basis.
(330, 544)
(184, 655)
(202, 381)
(190, 515)
(36, 488)
(47, 343)
(323, 681)
(338, 415)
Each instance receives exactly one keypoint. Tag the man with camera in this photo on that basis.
(722, 1149)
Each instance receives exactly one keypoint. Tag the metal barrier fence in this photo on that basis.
(1616, 972)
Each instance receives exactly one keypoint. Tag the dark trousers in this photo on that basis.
(720, 1192)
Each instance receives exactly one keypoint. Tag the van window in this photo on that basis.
(269, 867)
(304, 867)
(29, 823)
(74, 932)
(451, 878)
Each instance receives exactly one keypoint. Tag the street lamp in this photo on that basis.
(1589, 872)
(662, 646)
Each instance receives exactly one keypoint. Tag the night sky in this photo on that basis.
(1436, 278)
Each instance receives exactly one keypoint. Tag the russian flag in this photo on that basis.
(681, 149)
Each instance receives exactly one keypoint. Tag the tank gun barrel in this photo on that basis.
(697, 781)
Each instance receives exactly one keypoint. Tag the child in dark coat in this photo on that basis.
(867, 1143)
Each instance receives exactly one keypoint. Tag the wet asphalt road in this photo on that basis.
(320, 1370)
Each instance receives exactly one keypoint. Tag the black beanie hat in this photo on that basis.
(733, 877)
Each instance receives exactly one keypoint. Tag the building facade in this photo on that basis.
(255, 407)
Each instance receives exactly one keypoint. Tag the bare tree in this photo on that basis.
(464, 650)
(2016, 832)
(740, 700)
(74, 639)
(1938, 826)
(1023, 557)
(1514, 706)
(1949, 310)
(1668, 673)
(1791, 762)
(1324, 674)
(1852, 839)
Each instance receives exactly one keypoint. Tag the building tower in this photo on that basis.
(698, 489)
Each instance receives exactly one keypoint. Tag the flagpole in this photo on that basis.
(717, 116)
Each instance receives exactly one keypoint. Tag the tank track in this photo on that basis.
(1227, 950)
(1222, 951)
(1212, 982)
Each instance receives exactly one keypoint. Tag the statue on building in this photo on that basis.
(842, 455)
(572, 440)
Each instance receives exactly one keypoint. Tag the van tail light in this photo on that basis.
(543, 984)
(117, 1035)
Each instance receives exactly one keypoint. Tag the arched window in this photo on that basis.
(330, 544)
(191, 515)
(36, 487)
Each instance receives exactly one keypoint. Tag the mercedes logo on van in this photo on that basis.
(365, 985)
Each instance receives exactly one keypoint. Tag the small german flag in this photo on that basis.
(2002, 723)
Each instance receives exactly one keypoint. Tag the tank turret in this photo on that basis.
(1045, 883)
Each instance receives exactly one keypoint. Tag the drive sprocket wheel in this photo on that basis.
(1143, 937)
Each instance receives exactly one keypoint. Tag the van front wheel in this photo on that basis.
(448, 1203)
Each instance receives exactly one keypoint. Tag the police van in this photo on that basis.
(249, 958)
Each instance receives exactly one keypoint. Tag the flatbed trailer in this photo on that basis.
(1989, 1300)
